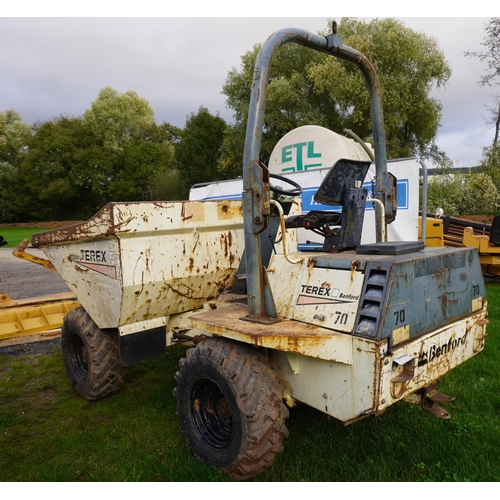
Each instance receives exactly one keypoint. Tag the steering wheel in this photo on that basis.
(296, 191)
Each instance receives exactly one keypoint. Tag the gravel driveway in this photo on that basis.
(20, 279)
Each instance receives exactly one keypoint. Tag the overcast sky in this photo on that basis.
(56, 66)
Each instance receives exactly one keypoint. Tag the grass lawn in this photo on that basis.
(14, 236)
(48, 433)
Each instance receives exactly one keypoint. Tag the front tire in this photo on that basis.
(91, 356)
(230, 407)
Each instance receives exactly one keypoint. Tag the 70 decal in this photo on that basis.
(400, 316)
(341, 318)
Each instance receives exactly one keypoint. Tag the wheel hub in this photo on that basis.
(79, 357)
(211, 414)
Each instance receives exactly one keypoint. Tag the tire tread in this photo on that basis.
(260, 402)
(105, 373)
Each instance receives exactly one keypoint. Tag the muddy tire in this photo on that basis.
(91, 356)
(230, 407)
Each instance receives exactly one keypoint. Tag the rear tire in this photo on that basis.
(91, 356)
(230, 407)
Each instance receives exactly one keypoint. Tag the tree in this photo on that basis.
(490, 163)
(59, 171)
(138, 164)
(492, 77)
(292, 101)
(494, 117)
(457, 195)
(165, 133)
(119, 120)
(198, 153)
(68, 168)
(491, 55)
(130, 151)
(308, 87)
(14, 135)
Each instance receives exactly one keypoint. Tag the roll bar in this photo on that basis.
(256, 194)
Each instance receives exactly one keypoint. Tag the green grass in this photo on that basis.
(13, 236)
(48, 433)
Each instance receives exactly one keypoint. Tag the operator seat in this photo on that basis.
(495, 231)
(342, 188)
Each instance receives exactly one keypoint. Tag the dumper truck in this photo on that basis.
(347, 328)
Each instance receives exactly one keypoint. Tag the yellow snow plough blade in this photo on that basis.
(19, 318)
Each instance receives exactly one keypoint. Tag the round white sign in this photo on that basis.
(310, 147)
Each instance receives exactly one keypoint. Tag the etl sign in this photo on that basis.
(300, 156)
(311, 147)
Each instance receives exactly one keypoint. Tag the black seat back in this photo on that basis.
(343, 175)
(343, 186)
(495, 231)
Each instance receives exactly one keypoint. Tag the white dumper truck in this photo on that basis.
(349, 328)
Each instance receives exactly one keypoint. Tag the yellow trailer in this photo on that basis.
(30, 320)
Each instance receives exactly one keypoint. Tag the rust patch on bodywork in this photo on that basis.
(101, 224)
(287, 335)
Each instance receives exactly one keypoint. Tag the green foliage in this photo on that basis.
(475, 192)
(118, 120)
(58, 171)
(461, 194)
(480, 194)
(131, 175)
(14, 198)
(167, 185)
(409, 65)
(292, 101)
(490, 163)
(231, 161)
(308, 87)
(198, 153)
(68, 168)
(14, 134)
(130, 152)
